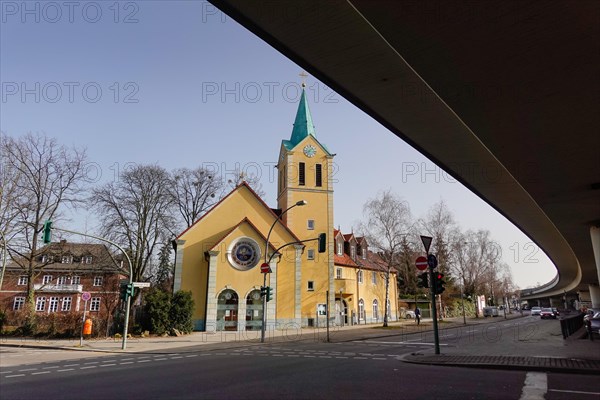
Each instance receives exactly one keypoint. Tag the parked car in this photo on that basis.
(555, 311)
(490, 312)
(409, 314)
(536, 310)
(593, 318)
(547, 313)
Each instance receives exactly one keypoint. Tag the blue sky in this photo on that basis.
(180, 84)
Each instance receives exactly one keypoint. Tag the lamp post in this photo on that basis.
(462, 299)
(4, 251)
(264, 300)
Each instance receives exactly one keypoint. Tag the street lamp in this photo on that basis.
(4, 250)
(264, 298)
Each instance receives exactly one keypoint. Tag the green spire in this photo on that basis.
(303, 125)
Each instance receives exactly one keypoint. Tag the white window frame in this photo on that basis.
(310, 224)
(360, 276)
(374, 278)
(53, 304)
(375, 309)
(44, 258)
(61, 280)
(66, 259)
(98, 281)
(310, 254)
(18, 303)
(338, 273)
(76, 280)
(361, 309)
(95, 304)
(66, 304)
(310, 286)
(364, 253)
(22, 281)
(353, 252)
(47, 279)
(40, 303)
(340, 248)
(86, 259)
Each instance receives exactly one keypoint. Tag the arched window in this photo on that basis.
(361, 309)
(254, 311)
(227, 310)
(375, 309)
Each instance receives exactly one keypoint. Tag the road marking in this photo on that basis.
(65, 370)
(378, 358)
(5, 372)
(160, 359)
(91, 366)
(193, 355)
(71, 365)
(50, 367)
(176, 357)
(27, 369)
(107, 365)
(141, 361)
(535, 386)
(39, 373)
(14, 376)
(126, 362)
(573, 391)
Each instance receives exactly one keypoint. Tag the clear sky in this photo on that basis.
(180, 84)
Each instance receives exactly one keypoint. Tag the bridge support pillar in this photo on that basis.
(595, 290)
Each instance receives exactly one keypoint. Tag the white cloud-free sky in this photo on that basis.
(180, 84)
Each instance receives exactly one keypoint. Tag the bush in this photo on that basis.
(182, 310)
(157, 307)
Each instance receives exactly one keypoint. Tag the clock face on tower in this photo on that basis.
(310, 150)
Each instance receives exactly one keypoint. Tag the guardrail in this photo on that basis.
(570, 325)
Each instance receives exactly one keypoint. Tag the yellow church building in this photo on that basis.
(219, 257)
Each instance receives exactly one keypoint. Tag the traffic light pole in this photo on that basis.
(124, 343)
(436, 337)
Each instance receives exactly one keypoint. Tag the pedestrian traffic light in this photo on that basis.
(269, 293)
(438, 280)
(322, 242)
(47, 232)
(423, 280)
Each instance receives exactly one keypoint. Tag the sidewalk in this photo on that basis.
(526, 346)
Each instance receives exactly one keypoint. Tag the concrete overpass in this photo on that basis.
(505, 96)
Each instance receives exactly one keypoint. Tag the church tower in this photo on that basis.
(305, 168)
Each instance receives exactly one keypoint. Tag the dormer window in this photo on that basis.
(364, 253)
(44, 258)
(86, 259)
(353, 252)
(340, 248)
(66, 259)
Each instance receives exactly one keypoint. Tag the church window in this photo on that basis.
(318, 175)
(301, 174)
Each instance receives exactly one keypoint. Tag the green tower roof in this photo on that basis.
(303, 125)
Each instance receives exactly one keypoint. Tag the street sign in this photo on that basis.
(265, 268)
(432, 261)
(141, 284)
(421, 263)
(426, 242)
(85, 296)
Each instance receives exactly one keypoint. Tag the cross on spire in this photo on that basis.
(303, 76)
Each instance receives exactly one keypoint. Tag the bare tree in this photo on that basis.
(136, 212)
(440, 225)
(194, 192)
(388, 222)
(252, 180)
(45, 178)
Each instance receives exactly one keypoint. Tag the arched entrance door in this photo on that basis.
(254, 311)
(227, 311)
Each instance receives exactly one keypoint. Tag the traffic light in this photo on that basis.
(123, 291)
(47, 232)
(423, 280)
(438, 281)
(269, 293)
(322, 242)
(263, 291)
(130, 290)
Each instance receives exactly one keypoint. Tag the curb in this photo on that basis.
(542, 364)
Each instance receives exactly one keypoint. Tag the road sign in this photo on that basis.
(421, 263)
(426, 242)
(141, 284)
(432, 261)
(85, 296)
(265, 268)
